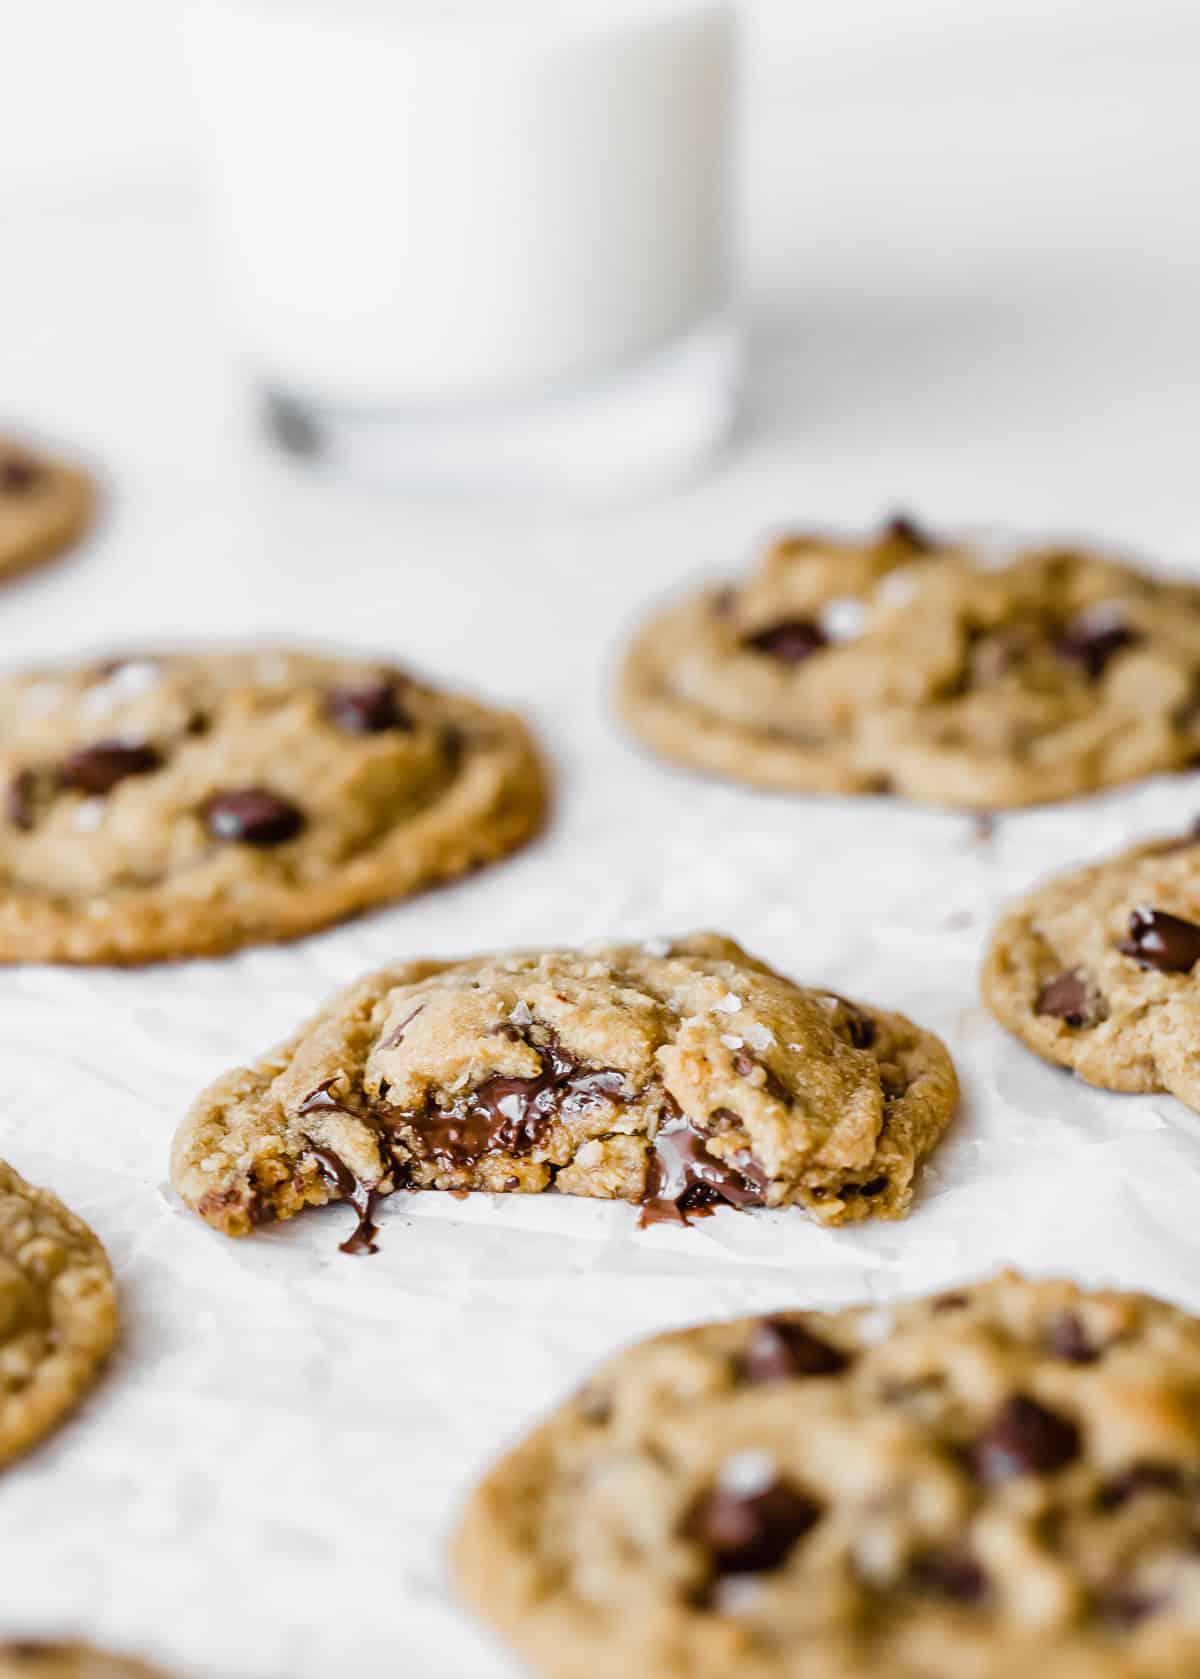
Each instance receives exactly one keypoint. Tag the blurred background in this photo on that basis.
(970, 251)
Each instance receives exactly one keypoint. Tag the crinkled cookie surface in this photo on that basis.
(900, 665)
(995, 1483)
(187, 804)
(44, 506)
(58, 1312)
(678, 1075)
(1095, 969)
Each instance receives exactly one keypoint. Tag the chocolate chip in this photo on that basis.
(1066, 998)
(791, 642)
(683, 1177)
(251, 816)
(97, 769)
(1069, 1340)
(751, 1532)
(779, 1350)
(1163, 941)
(1093, 637)
(950, 1573)
(1024, 1438)
(900, 528)
(1124, 1606)
(18, 474)
(1142, 1477)
(367, 708)
(18, 803)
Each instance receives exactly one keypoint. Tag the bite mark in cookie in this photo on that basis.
(607, 1072)
(944, 1494)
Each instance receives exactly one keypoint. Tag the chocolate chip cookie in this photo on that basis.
(679, 1075)
(1095, 970)
(44, 505)
(904, 665)
(187, 804)
(67, 1661)
(997, 1483)
(58, 1312)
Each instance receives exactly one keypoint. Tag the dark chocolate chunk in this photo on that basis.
(1125, 1606)
(251, 816)
(873, 1186)
(1066, 998)
(1024, 1438)
(18, 803)
(791, 642)
(1142, 1477)
(1069, 1340)
(367, 708)
(18, 474)
(860, 1028)
(96, 769)
(952, 1302)
(901, 528)
(1163, 941)
(361, 1197)
(512, 1115)
(950, 1573)
(751, 1532)
(683, 1177)
(779, 1350)
(1093, 637)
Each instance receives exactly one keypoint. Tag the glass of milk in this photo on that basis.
(479, 243)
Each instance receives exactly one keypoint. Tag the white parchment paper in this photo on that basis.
(262, 1484)
(260, 1487)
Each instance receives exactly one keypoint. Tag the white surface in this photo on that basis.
(984, 309)
(414, 208)
(99, 88)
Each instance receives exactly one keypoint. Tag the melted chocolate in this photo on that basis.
(362, 1197)
(791, 642)
(683, 1177)
(506, 1115)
